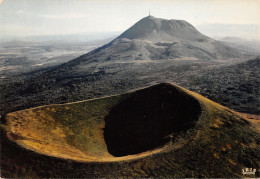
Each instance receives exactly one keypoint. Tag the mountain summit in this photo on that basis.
(157, 30)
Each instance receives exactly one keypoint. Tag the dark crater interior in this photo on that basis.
(149, 118)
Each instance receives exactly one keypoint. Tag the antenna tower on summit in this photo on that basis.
(149, 13)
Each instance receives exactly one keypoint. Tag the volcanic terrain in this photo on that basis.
(160, 131)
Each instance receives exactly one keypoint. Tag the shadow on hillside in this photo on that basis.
(148, 119)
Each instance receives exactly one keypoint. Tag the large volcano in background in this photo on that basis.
(157, 39)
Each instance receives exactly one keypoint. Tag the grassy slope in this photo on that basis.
(221, 144)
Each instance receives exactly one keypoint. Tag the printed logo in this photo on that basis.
(248, 171)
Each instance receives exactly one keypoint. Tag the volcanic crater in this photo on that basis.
(121, 127)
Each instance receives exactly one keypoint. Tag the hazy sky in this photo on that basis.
(38, 17)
